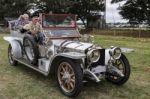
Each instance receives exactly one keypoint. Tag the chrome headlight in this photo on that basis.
(93, 55)
(115, 52)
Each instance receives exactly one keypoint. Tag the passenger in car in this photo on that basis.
(34, 28)
(22, 20)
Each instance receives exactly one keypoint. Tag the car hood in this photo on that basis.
(72, 44)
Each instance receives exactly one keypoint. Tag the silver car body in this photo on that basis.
(66, 47)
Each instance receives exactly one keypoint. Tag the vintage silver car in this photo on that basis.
(71, 57)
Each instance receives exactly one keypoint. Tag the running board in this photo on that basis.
(28, 64)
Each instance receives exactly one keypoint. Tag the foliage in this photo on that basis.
(83, 8)
(57, 6)
(136, 11)
(13, 8)
(86, 8)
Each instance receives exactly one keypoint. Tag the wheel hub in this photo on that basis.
(66, 77)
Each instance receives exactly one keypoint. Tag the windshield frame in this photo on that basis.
(59, 27)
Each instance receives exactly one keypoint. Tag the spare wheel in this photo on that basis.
(31, 48)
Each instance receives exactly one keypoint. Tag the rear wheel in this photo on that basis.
(123, 65)
(69, 77)
(10, 56)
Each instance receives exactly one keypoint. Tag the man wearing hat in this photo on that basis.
(35, 28)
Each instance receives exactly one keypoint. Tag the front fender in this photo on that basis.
(16, 46)
(69, 55)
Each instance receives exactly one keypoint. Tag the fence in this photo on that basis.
(120, 32)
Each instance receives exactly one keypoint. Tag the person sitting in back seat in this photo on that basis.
(22, 20)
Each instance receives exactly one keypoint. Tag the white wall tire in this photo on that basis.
(31, 49)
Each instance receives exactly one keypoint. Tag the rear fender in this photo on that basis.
(16, 46)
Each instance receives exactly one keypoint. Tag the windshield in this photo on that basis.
(59, 21)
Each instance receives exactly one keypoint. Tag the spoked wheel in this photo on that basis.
(10, 56)
(69, 77)
(123, 65)
(31, 49)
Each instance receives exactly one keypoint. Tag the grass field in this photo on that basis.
(21, 82)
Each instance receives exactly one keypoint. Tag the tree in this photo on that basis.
(57, 6)
(135, 10)
(83, 8)
(13, 8)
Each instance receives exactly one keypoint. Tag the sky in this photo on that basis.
(112, 15)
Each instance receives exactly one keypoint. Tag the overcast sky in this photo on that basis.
(112, 15)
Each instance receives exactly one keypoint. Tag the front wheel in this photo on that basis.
(123, 65)
(10, 56)
(69, 77)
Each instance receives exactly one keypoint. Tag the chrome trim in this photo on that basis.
(112, 52)
(91, 75)
(90, 52)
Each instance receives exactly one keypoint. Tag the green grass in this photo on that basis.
(21, 82)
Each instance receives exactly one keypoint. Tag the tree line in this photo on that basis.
(83, 8)
(135, 11)
(132, 10)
